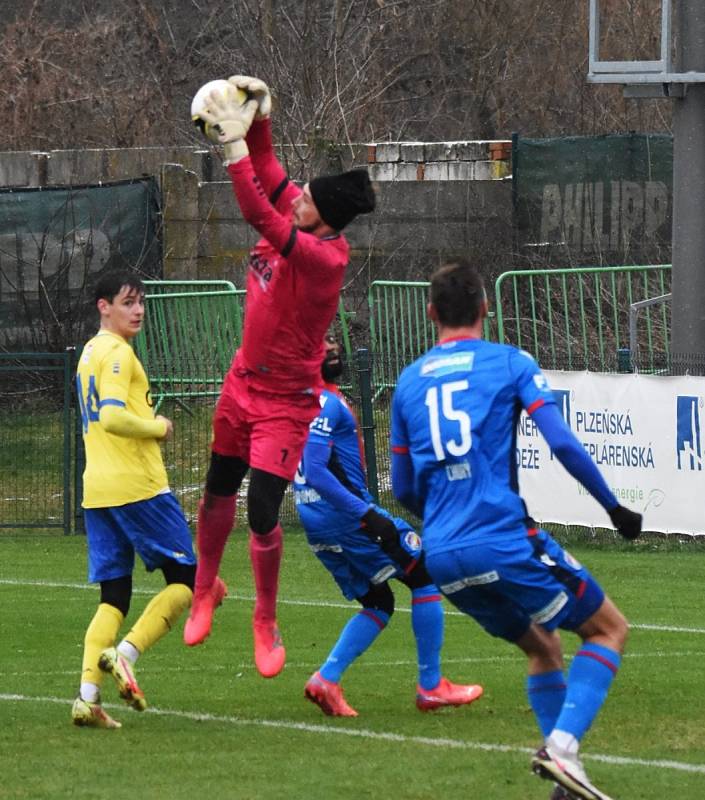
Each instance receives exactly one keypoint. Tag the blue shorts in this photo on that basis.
(508, 584)
(356, 562)
(156, 529)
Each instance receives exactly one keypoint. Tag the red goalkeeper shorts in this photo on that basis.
(267, 431)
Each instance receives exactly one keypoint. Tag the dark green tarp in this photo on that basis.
(599, 198)
(54, 243)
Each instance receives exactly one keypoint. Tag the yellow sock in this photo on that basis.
(101, 633)
(159, 616)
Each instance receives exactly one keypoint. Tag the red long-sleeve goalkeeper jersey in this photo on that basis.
(293, 280)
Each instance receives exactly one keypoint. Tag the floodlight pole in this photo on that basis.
(688, 279)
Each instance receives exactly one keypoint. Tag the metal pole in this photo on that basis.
(367, 423)
(687, 307)
(67, 358)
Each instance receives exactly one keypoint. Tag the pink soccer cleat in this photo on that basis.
(446, 694)
(204, 604)
(270, 655)
(328, 697)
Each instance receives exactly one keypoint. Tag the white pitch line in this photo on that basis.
(363, 733)
(635, 626)
(155, 668)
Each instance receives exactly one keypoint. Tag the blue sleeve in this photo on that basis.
(403, 482)
(531, 384)
(572, 454)
(318, 476)
(402, 465)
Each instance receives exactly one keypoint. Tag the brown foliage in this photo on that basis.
(123, 73)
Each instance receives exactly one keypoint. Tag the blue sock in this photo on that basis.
(427, 623)
(589, 679)
(354, 639)
(546, 693)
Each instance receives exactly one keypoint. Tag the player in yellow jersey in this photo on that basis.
(128, 505)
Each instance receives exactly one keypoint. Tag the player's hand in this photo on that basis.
(227, 120)
(258, 90)
(627, 522)
(384, 532)
(169, 426)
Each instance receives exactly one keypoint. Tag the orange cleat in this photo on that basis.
(270, 654)
(204, 604)
(328, 697)
(446, 694)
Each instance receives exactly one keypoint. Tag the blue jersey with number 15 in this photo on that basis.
(455, 411)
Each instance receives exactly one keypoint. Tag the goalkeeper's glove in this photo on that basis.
(258, 90)
(227, 122)
(627, 522)
(383, 532)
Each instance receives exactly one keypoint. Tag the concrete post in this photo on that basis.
(688, 303)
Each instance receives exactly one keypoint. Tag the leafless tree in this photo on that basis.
(122, 74)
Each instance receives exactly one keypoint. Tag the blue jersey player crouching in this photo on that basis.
(350, 534)
(454, 419)
(128, 507)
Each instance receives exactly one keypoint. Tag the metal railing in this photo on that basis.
(35, 445)
(579, 318)
(570, 319)
(400, 330)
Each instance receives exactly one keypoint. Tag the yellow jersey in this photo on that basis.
(123, 458)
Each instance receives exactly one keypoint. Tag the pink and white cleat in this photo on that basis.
(446, 694)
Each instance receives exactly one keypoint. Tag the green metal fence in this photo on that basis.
(571, 319)
(190, 332)
(400, 330)
(35, 446)
(579, 318)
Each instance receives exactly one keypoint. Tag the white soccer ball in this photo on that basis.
(202, 99)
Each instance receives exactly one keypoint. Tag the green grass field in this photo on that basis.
(215, 728)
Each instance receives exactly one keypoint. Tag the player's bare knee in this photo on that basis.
(543, 649)
(607, 626)
(619, 630)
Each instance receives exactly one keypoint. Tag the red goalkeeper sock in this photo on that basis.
(265, 555)
(216, 516)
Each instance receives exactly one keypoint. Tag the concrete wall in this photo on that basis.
(435, 201)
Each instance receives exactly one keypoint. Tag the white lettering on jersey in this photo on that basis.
(458, 472)
(471, 580)
(550, 611)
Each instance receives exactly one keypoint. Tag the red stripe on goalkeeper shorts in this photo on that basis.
(581, 589)
(597, 657)
(431, 598)
(400, 450)
(536, 404)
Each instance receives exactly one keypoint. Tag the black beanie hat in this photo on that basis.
(340, 198)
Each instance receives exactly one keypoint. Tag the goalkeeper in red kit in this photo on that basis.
(270, 394)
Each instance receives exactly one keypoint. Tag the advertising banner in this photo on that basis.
(644, 434)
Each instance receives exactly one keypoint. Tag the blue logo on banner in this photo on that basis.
(562, 397)
(688, 433)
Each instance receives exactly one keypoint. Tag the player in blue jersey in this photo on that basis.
(128, 507)
(454, 422)
(363, 547)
